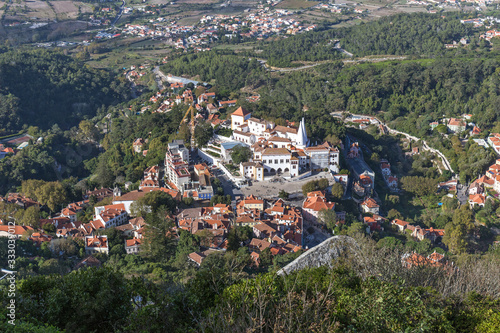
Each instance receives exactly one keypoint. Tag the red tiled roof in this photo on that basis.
(370, 203)
(97, 241)
(240, 112)
(18, 229)
(133, 242)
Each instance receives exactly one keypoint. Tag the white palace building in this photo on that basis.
(279, 149)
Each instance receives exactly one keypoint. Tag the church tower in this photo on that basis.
(302, 135)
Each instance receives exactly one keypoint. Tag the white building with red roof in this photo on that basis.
(477, 200)
(97, 244)
(176, 165)
(111, 215)
(370, 206)
(400, 224)
(494, 142)
(133, 246)
(314, 203)
(456, 125)
(138, 144)
(239, 118)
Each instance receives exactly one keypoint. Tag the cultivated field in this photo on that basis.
(197, 1)
(296, 4)
(70, 9)
(33, 10)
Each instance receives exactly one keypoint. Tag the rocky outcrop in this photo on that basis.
(321, 255)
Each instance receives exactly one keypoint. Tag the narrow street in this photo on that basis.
(159, 77)
(462, 194)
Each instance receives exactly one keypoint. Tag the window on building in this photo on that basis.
(281, 161)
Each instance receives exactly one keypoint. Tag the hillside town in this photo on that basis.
(197, 179)
(259, 24)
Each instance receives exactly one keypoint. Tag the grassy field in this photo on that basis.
(296, 4)
(38, 10)
(70, 9)
(198, 1)
(126, 53)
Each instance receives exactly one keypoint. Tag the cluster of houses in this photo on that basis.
(206, 104)
(435, 259)
(477, 189)
(488, 35)
(458, 125)
(389, 178)
(480, 21)
(115, 215)
(275, 226)
(419, 233)
(259, 24)
(364, 177)
(455, 44)
(333, 8)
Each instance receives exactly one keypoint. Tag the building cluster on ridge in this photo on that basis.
(279, 149)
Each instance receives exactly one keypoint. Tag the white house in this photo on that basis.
(370, 206)
(96, 244)
(456, 125)
(279, 160)
(314, 203)
(111, 215)
(239, 117)
(252, 170)
(133, 246)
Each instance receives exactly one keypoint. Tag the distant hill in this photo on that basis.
(42, 88)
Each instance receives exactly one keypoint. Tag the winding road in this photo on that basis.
(345, 61)
(425, 146)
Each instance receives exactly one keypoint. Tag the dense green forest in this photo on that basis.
(312, 46)
(403, 34)
(42, 88)
(227, 72)
(417, 34)
(118, 163)
(59, 156)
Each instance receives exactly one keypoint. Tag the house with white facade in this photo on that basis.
(133, 246)
(494, 142)
(239, 118)
(176, 165)
(315, 203)
(111, 215)
(456, 125)
(252, 170)
(323, 156)
(97, 244)
(370, 206)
